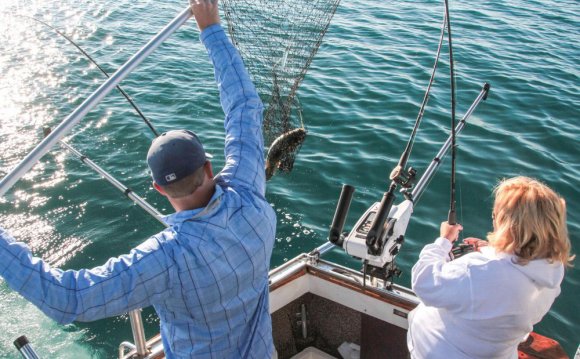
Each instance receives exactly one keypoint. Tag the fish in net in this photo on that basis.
(278, 40)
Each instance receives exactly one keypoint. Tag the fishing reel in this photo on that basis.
(402, 178)
(460, 250)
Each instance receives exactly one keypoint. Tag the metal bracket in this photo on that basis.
(302, 320)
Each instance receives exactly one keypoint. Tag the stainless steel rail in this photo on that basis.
(138, 332)
(125, 345)
(94, 99)
(327, 246)
(128, 192)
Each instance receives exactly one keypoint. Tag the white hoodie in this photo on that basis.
(481, 305)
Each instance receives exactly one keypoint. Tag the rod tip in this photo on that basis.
(486, 88)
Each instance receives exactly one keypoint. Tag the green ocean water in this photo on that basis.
(359, 101)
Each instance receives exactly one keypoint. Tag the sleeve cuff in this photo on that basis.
(212, 34)
(444, 243)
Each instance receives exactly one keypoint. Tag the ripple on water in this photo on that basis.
(360, 99)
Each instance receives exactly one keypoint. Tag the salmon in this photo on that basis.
(281, 152)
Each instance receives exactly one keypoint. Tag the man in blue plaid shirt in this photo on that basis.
(207, 274)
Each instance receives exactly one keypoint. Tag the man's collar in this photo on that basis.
(181, 216)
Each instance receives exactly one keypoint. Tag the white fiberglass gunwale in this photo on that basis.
(306, 273)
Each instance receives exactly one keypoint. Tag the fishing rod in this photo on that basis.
(407, 152)
(25, 348)
(452, 217)
(131, 102)
(436, 162)
(400, 175)
(93, 100)
(87, 105)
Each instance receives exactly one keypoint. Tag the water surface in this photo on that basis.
(360, 99)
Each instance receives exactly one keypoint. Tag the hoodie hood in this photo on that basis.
(541, 272)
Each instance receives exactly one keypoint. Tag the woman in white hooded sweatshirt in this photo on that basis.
(483, 304)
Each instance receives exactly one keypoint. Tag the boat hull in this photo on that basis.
(319, 304)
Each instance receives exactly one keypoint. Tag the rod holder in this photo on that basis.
(335, 236)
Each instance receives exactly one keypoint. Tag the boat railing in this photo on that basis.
(126, 346)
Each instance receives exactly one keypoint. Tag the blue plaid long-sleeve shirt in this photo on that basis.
(207, 274)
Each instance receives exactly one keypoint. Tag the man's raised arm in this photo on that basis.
(243, 108)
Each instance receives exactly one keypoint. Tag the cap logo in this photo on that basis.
(170, 177)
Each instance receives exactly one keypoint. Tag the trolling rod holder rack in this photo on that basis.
(389, 221)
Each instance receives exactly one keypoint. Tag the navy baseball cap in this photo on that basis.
(175, 155)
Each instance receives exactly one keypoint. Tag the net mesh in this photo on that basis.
(278, 40)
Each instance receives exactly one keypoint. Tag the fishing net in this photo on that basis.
(278, 40)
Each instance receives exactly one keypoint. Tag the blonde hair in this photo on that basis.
(530, 222)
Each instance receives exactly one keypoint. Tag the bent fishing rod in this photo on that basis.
(398, 171)
(79, 113)
(93, 100)
(131, 102)
(452, 216)
(135, 314)
(400, 175)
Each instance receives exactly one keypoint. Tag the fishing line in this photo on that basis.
(131, 102)
(452, 217)
(407, 152)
